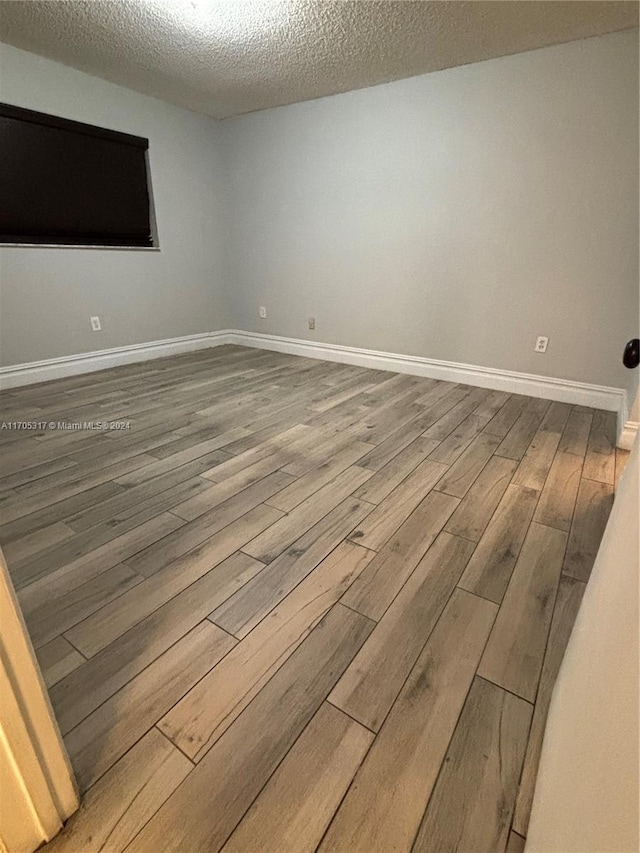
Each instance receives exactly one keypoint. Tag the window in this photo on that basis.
(72, 184)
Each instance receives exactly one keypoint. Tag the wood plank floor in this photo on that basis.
(297, 605)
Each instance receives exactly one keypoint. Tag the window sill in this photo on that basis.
(71, 246)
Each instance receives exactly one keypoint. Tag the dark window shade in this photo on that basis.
(64, 182)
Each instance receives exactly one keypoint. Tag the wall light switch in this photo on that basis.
(96, 325)
(263, 312)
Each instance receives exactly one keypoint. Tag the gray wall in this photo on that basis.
(48, 295)
(455, 215)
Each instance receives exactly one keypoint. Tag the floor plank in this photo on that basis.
(47, 622)
(449, 423)
(208, 806)
(515, 443)
(28, 521)
(460, 477)
(473, 801)
(370, 685)
(103, 737)
(476, 508)
(492, 403)
(218, 493)
(47, 506)
(534, 468)
(296, 806)
(377, 586)
(592, 510)
(208, 710)
(120, 804)
(308, 484)
(576, 433)
(600, 459)
(247, 607)
(40, 540)
(285, 443)
(157, 492)
(115, 665)
(113, 620)
(193, 533)
(68, 571)
(515, 650)
(57, 659)
(384, 805)
(492, 563)
(272, 542)
(385, 519)
(558, 498)
(568, 602)
(506, 417)
(454, 445)
(202, 456)
(322, 451)
(397, 469)
(400, 441)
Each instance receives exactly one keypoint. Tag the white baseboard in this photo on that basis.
(546, 387)
(88, 362)
(628, 434)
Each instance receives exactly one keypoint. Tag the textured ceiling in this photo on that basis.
(226, 57)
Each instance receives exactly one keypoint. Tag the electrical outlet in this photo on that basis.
(311, 322)
(96, 325)
(541, 344)
(263, 312)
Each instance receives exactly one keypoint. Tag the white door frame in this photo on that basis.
(37, 786)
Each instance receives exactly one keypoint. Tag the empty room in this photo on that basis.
(319, 468)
